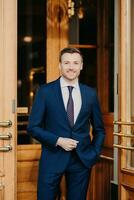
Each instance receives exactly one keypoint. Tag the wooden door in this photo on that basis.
(8, 84)
(124, 125)
(56, 38)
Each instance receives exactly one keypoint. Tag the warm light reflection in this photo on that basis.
(27, 39)
(75, 8)
(70, 8)
(31, 94)
(81, 12)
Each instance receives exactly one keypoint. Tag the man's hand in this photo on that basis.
(67, 144)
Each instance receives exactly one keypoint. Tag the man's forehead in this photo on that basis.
(73, 56)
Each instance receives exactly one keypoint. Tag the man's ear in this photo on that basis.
(81, 66)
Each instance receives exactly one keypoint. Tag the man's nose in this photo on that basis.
(71, 66)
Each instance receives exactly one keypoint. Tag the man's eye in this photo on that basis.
(76, 63)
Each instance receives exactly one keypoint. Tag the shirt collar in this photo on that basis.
(64, 83)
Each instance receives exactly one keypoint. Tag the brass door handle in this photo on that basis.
(5, 136)
(5, 148)
(5, 124)
(123, 123)
(119, 146)
(106, 157)
(123, 135)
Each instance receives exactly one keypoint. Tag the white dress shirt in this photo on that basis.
(76, 95)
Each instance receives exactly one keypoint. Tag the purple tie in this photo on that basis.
(70, 107)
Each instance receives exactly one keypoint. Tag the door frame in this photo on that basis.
(8, 98)
(123, 100)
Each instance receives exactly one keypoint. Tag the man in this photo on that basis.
(60, 120)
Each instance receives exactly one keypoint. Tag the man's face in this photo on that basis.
(70, 66)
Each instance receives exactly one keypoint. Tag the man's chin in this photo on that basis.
(70, 78)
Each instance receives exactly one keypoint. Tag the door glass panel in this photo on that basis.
(31, 59)
(89, 73)
(83, 35)
(83, 23)
(86, 32)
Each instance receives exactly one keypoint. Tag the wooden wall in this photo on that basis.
(27, 171)
(99, 186)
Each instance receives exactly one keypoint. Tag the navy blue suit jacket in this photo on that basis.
(48, 121)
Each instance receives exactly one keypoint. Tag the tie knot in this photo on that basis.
(70, 88)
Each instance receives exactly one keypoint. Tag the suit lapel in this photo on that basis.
(58, 95)
(83, 103)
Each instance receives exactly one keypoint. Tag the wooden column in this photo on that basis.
(57, 35)
(126, 175)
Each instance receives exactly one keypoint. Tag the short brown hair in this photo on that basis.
(71, 51)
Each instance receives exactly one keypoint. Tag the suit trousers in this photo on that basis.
(77, 180)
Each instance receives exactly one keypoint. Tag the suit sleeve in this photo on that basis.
(35, 125)
(97, 125)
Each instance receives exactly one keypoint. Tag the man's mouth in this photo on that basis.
(71, 71)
